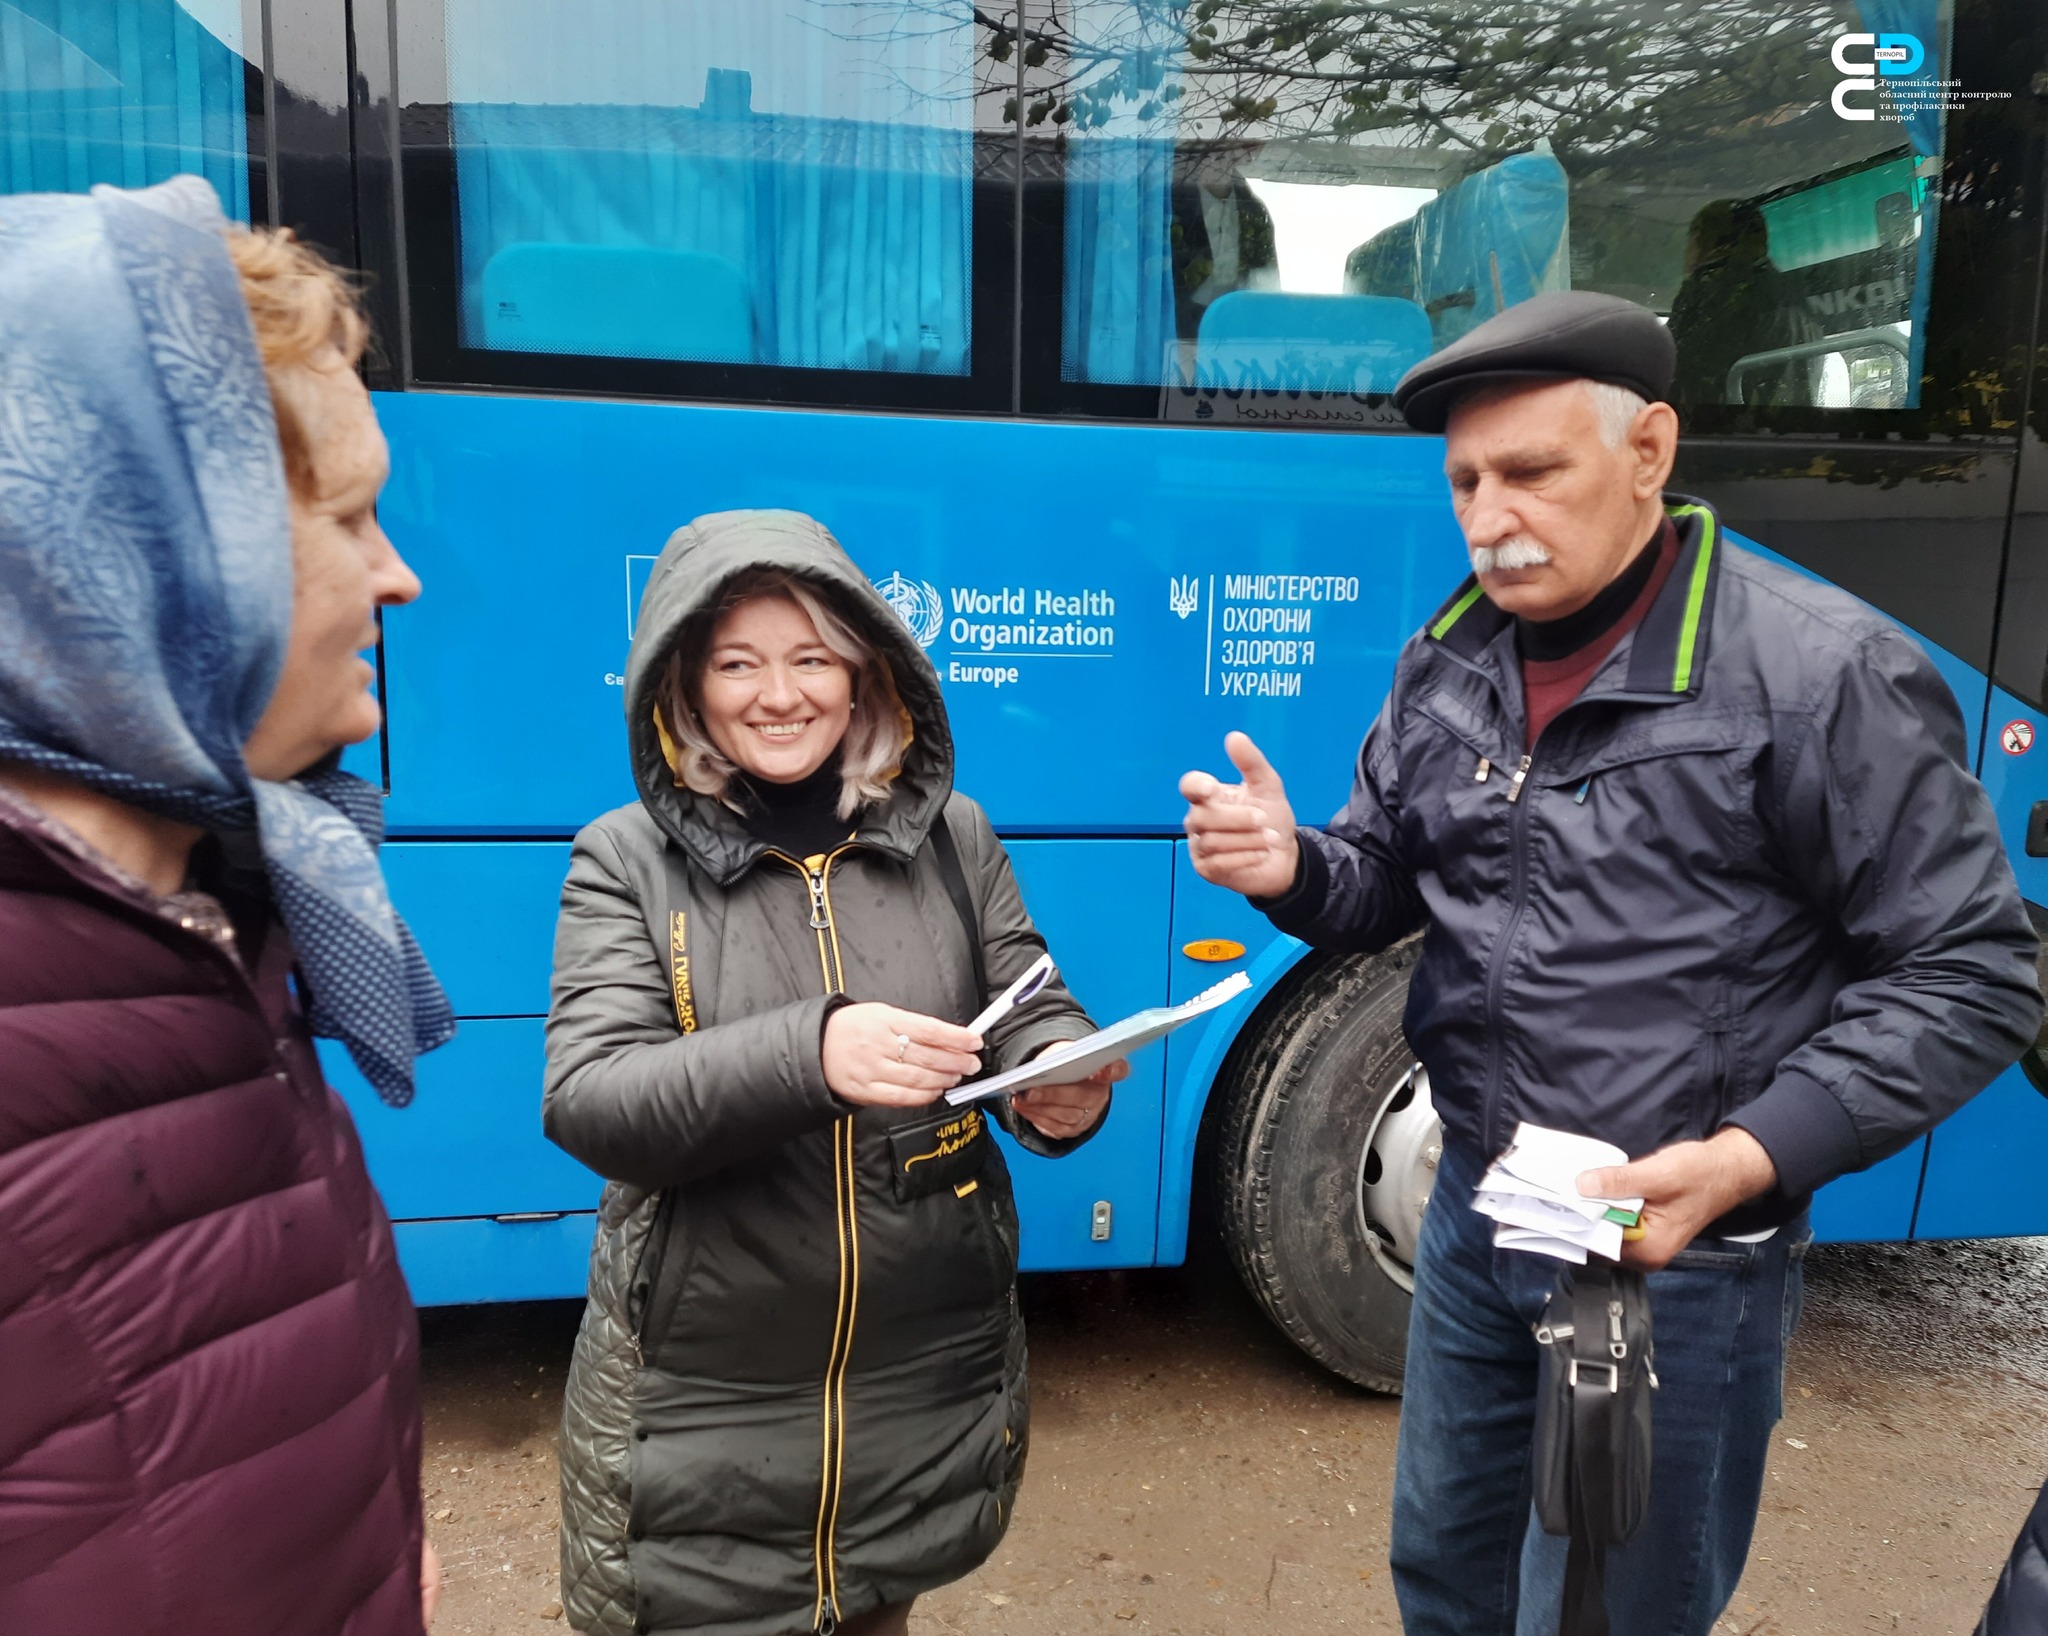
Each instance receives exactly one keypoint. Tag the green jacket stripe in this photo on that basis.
(1442, 627)
(1695, 596)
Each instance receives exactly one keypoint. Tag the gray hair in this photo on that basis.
(870, 753)
(1614, 409)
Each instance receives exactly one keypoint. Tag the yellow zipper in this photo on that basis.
(816, 871)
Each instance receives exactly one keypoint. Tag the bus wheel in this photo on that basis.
(1326, 1146)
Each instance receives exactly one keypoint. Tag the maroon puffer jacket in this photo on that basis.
(209, 1401)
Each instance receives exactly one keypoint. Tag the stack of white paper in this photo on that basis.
(1532, 1193)
(1077, 1059)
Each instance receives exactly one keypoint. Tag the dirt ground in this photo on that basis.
(1191, 1473)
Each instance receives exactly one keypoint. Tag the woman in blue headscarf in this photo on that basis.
(210, 1417)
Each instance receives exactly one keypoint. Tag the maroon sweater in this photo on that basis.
(209, 1403)
(1559, 658)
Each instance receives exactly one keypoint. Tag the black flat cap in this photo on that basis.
(1561, 336)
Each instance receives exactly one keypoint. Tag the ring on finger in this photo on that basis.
(902, 1047)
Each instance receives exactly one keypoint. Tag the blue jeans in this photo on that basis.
(1469, 1558)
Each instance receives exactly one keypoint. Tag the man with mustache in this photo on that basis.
(1701, 873)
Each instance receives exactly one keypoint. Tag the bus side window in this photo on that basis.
(707, 195)
(697, 181)
(1443, 160)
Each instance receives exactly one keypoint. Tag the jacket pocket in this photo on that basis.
(944, 1150)
(1481, 735)
(1662, 800)
(651, 1303)
(1714, 1081)
(1661, 735)
(995, 1223)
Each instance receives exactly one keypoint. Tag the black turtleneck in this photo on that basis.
(1549, 639)
(800, 819)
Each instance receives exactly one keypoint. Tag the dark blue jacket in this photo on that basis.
(1745, 878)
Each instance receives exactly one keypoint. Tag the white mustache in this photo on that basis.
(1519, 552)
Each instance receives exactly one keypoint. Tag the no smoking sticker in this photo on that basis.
(2017, 737)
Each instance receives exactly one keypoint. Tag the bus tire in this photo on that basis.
(1324, 1151)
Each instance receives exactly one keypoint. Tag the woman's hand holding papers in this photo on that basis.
(1063, 1112)
(1241, 836)
(881, 1056)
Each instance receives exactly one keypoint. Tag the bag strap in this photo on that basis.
(676, 945)
(947, 851)
(1594, 1375)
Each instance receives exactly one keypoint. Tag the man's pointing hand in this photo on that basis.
(1241, 836)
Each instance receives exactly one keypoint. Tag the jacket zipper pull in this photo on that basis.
(817, 879)
(1521, 773)
(1485, 767)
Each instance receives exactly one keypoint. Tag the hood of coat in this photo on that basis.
(699, 560)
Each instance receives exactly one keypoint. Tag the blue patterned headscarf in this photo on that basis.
(146, 580)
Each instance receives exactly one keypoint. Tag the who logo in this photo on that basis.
(917, 603)
(1891, 56)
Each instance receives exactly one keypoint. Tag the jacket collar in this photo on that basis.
(37, 855)
(1667, 652)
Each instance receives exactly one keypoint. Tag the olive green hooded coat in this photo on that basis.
(799, 1389)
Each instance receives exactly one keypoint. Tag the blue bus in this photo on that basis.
(1075, 321)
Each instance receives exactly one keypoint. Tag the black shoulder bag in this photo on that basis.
(1592, 1458)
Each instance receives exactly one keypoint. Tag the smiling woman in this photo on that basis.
(800, 1237)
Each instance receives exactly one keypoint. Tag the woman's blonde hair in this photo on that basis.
(871, 753)
(301, 305)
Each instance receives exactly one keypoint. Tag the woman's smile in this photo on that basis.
(765, 654)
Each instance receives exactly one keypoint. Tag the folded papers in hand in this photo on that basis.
(1532, 1193)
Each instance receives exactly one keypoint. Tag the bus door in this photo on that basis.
(1983, 1176)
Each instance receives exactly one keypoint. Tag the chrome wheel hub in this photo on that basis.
(1396, 1171)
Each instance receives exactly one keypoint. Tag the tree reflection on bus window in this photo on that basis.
(1267, 192)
